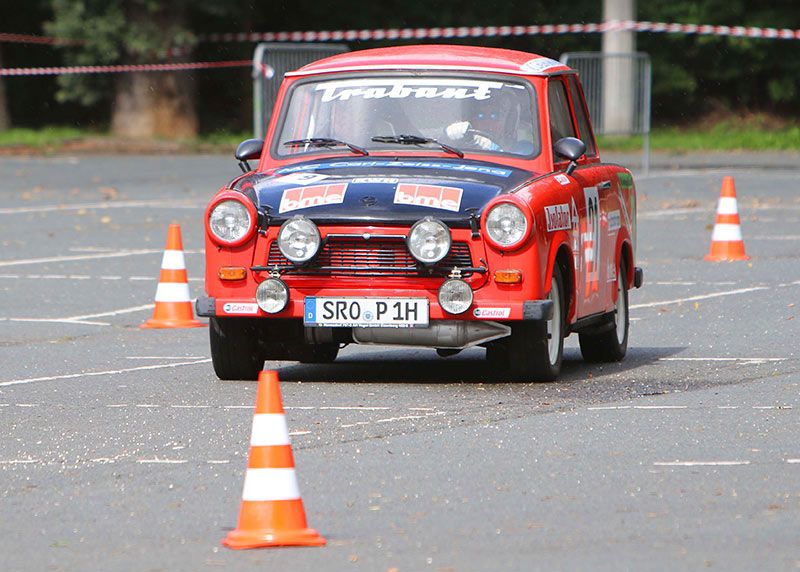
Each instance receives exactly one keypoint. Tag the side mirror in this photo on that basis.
(248, 149)
(570, 148)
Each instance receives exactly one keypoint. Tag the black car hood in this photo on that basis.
(381, 190)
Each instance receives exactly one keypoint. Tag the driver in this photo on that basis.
(492, 124)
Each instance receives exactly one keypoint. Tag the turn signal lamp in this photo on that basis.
(508, 276)
(232, 273)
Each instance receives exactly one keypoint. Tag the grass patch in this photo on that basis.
(727, 135)
(44, 137)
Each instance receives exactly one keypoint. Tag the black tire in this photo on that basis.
(612, 344)
(529, 352)
(319, 353)
(235, 351)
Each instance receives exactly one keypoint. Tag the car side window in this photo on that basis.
(582, 116)
(560, 117)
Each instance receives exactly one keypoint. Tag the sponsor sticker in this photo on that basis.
(492, 313)
(558, 217)
(539, 65)
(443, 166)
(403, 88)
(614, 221)
(313, 196)
(303, 178)
(240, 308)
(562, 179)
(430, 196)
(376, 180)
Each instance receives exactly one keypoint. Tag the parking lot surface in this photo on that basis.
(121, 449)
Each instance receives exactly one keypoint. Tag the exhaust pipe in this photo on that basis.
(450, 334)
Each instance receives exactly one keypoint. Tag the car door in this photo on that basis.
(589, 242)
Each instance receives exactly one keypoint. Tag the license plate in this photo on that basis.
(371, 312)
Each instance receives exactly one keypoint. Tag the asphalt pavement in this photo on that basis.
(122, 451)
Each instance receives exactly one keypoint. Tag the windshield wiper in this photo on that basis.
(416, 140)
(325, 142)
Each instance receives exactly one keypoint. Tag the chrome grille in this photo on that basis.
(376, 256)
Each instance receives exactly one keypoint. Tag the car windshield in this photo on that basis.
(466, 113)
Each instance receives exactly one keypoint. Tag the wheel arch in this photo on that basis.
(562, 255)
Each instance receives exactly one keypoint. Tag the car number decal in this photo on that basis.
(590, 239)
(558, 217)
(430, 196)
(303, 178)
(314, 196)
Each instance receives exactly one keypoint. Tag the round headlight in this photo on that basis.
(455, 296)
(230, 221)
(506, 224)
(272, 295)
(298, 239)
(429, 240)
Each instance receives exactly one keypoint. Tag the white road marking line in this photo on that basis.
(700, 463)
(354, 424)
(660, 406)
(117, 405)
(352, 408)
(76, 257)
(727, 407)
(774, 237)
(191, 406)
(700, 297)
(772, 407)
(793, 461)
(162, 461)
(58, 321)
(673, 283)
(164, 357)
(609, 407)
(100, 373)
(84, 318)
(94, 206)
(147, 405)
(217, 462)
(19, 462)
(236, 406)
(293, 433)
(721, 359)
(110, 277)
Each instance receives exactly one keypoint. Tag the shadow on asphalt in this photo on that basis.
(416, 366)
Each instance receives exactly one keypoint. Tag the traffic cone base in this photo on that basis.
(173, 308)
(271, 512)
(726, 240)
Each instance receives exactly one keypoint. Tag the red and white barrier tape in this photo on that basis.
(502, 31)
(126, 68)
(31, 39)
(463, 32)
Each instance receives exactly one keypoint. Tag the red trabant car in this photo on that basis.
(430, 196)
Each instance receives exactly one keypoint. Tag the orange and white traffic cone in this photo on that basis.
(173, 302)
(726, 240)
(271, 512)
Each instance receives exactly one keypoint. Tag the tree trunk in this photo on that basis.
(155, 104)
(5, 118)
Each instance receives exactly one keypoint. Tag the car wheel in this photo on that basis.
(319, 353)
(610, 345)
(536, 349)
(234, 348)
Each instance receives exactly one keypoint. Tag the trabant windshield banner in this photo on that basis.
(401, 88)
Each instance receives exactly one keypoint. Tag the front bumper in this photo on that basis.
(527, 310)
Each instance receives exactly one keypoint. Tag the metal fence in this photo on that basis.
(270, 62)
(618, 92)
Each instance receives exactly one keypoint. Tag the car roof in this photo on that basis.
(436, 57)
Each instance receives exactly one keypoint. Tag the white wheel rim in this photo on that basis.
(621, 313)
(554, 326)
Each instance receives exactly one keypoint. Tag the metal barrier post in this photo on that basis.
(271, 60)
